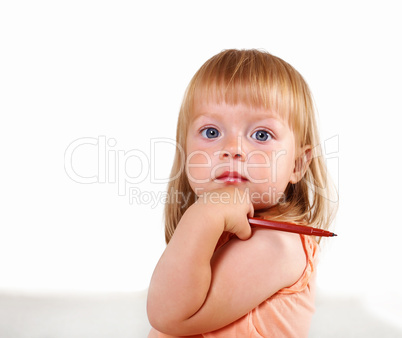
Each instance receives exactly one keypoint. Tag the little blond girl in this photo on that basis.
(248, 146)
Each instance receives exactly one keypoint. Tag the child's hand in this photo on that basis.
(231, 206)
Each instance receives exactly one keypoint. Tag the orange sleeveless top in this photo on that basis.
(287, 313)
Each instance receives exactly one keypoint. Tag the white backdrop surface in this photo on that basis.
(90, 88)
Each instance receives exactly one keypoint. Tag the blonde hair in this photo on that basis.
(258, 79)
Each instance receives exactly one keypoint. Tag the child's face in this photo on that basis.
(237, 145)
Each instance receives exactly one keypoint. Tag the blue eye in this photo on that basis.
(261, 135)
(210, 133)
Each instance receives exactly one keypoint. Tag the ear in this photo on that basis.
(302, 163)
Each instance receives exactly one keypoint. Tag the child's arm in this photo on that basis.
(194, 290)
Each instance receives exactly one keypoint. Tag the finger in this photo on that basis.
(244, 232)
(250, 212)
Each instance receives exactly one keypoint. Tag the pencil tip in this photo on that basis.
(334, 235)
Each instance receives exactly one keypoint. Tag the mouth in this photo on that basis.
(230, 177)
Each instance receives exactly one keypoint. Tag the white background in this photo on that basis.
(116, 71)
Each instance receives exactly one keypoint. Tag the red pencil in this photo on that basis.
(289, 227)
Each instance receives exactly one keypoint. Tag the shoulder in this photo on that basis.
(289, 244)
(277, 259)
(282, 251)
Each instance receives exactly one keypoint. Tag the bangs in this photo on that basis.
(254, 78)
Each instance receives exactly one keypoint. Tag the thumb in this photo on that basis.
(244, 231)
(250, 212)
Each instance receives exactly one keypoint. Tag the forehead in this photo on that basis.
(216, 109)
(260, 95)
(207, 107)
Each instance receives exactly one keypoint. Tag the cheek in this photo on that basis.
(274, 168)
(282, 168)
(258, 165)
(198, 166)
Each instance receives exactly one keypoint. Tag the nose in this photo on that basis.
(238, 156)
(232, 149)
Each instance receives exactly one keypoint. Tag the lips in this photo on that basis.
(231, 177)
